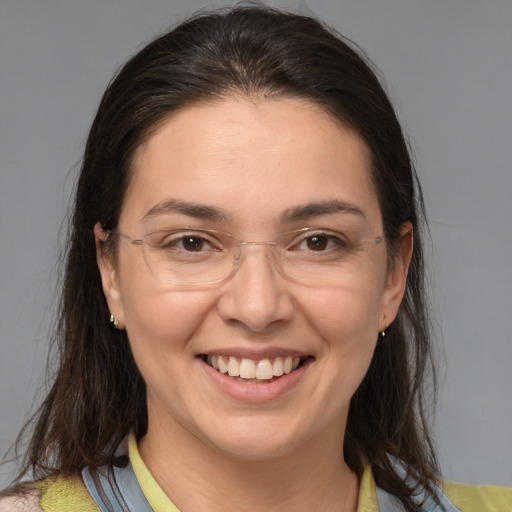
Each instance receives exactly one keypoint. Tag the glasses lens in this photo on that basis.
(183, 256)
(322, 255)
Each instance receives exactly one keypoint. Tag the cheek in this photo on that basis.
(160, 328)
(152, 312)
(345, 313)
(159, 322)
(347, 322)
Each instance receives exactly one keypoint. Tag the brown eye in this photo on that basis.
(317, 242)
(320, 242)
(193, 243)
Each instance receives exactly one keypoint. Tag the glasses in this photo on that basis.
(193, 256)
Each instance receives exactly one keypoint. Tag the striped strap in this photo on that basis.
(389, 503)
(116, 489)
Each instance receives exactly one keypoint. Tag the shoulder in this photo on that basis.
(52, 494)
(476, 498)
(21, 501)
(63, 493)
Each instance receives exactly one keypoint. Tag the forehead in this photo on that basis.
(251, 160)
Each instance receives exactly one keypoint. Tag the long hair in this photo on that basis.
(98, 394)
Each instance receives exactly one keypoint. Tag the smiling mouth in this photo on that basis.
(254, 372)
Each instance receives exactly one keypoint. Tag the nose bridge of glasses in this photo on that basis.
(240, 244)
(270, 242)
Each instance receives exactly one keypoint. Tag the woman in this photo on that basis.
(243, 312)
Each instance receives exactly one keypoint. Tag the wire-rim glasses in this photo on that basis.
(197, 256)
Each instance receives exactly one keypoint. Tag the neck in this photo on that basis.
(197, 476)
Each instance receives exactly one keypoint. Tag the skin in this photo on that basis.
(253, 160)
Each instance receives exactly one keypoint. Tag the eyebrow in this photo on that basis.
(304, 212)
(198, 211)
(297, 213)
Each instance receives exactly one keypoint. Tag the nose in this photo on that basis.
(256, 296)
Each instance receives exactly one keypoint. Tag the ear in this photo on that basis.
(397, 277)
(109, 277)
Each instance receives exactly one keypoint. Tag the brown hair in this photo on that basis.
(98, 395)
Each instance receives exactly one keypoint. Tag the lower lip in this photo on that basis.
(253, 392)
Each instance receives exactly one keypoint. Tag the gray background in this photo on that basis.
(448, 65)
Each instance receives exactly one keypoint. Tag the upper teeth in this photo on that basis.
(263, 369)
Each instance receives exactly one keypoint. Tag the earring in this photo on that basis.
(382, 334)
(113, 321)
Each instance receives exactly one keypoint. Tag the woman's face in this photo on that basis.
(253, 169)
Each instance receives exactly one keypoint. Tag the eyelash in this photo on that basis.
(329, 239)
(175, 242)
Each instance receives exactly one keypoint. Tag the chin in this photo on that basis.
(254, 452)
(256, 441)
